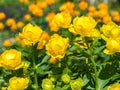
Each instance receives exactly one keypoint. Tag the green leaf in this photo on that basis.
(102, 83)
(108, 70)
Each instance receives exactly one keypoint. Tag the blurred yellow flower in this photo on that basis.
(4, 88)
(91, 9)
(53, 26)
(57, 46)
(13, 27)
(2, 15)
(20, 24)
(10, 22)
(23, 1)
(49, 2)
(42, 4)
(114, 87)
(1, 26)
(83, 5)
(18, 83)
(103, 6)
(50, 17)
(27, 17)
(67, 7)
(31, 7)
(107, 19)
(7, 43)
(11, 59)
(116, 16)
(37, 11)
(31, 34)
(63, 19)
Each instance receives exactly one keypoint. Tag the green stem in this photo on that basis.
(96, 73)
(35, 75)
(34, 68)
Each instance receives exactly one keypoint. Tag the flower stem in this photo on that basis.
(96, 73)
(34, 68)
(35, 75)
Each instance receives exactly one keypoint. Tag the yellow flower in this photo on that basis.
(20, 24)
(63, 19)
(30, 34)
(4, 88)
(103, 6)
(18, 83)
(27, 17)
(67, 7)
(10, 21)
(26, 65)
(57, 46)
(13, 27)
(23, 1)
(112, 45)
(114, 87)
(1, 26)
(42, 4)
(92, 9)
(107, 19)
(53, 26)
(43, 40)
(2, 15)
(84, 26)
(49, 2)
(83, 5)
(7, 42)
(11, 59)
(50, 16)
(110, 30)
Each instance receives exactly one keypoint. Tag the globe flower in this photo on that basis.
(1, 26)
(50, 17)
(13, 27)
(4, 88)
(23, 1)
(47, 84)
(2, 15)
(110, 30)
(11, 59)
(44, 38)
(116, 16)
(49, 2)
(114, 87)
(83, 5)
(65, 78)
(27, 17)
(10, 22)
(91, 9)
(112, 45)
(76, 84)
(20, 24)
(67, 7)
(7, 43)
(107, 19)
(30, 34)
(42, 4)
(53, 26)
(18, 83)
(56, 46)
(85, 26)
(63, 19)
(103, 6)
